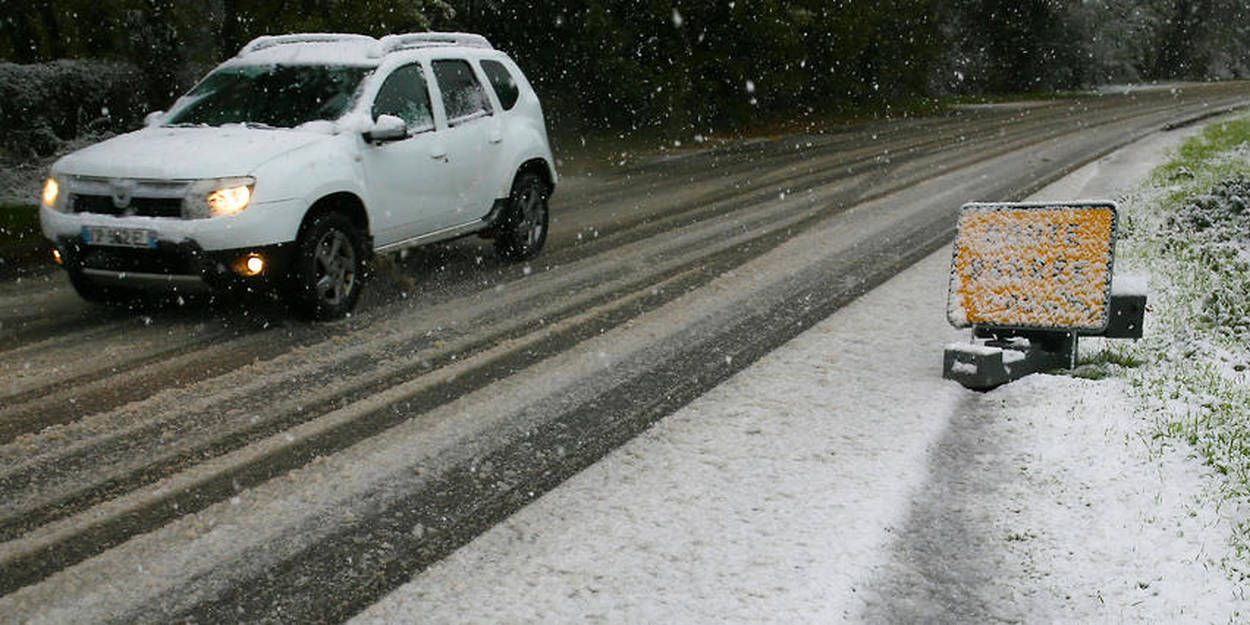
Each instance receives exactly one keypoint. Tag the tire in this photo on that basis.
(325, 277)
(98, 293)
(523, 225)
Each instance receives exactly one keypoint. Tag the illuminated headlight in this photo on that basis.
(53, 195)
(218, 197)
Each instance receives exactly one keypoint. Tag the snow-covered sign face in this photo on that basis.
(1033, 266)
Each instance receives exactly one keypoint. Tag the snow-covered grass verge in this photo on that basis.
(1189, 229)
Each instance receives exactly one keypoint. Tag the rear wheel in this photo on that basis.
(523, 228)
(326, 272)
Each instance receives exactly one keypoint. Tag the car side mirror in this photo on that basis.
(386, 128)
(154, 118)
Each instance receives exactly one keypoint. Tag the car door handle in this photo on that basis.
(438, 154)
(495, 137)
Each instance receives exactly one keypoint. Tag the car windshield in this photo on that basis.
(282, 96)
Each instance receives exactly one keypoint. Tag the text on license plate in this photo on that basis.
(123, 237)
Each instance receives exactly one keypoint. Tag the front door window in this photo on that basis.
(405, 95)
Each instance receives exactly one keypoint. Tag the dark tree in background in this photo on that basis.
(707, 65)
(1014, 47)
(1201, 38)
(243, 20)
(175, 41)
(1038, 45)
(153, 34)
(693, 66)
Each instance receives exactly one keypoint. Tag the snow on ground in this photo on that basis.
(840, 479)
(1047, 506)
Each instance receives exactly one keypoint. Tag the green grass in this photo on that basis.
(20, 237)
(1113, 360)
(1010, 98)
(1205, 159)
(18, 222)
(580, 151)
(1215, 141)
(1190, 374)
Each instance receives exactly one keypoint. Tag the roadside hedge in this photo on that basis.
(45, 104)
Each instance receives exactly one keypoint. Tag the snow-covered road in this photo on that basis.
(840, 479)
(237, 466)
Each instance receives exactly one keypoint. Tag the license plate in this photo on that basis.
(119, 237)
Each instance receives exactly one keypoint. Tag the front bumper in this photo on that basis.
(181, 265)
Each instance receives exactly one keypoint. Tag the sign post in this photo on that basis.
(1031, 278)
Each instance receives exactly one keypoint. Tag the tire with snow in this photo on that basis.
(324, 280)
(523, 225)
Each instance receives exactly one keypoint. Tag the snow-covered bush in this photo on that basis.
(1212, 230)
(44, 104)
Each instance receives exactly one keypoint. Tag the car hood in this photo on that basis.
(185, 153)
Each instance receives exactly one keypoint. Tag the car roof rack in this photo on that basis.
(391, 43)
(270, 41)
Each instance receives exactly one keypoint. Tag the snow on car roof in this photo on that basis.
(344, 49)
(287, 50)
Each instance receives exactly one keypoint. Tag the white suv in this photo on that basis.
(296, 161)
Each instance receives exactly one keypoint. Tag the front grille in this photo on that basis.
(168, 261)
(141, 206)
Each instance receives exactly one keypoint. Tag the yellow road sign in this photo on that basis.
(1033, 266)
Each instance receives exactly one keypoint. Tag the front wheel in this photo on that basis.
(325, 275)
(523, 229)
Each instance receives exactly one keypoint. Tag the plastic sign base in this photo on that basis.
(1012, 354)
(984, 366)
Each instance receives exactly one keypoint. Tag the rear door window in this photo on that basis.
(503, 83)
(463, 96)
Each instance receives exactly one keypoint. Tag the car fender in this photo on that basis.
(308, 176)
(523, 130)
(523, 143)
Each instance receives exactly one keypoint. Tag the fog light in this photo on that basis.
(56, 257)
(252, 265)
